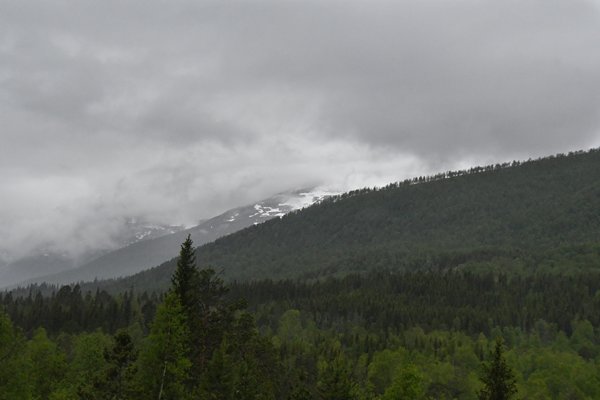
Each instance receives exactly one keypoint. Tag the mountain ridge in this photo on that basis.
(514, 215)
(145, 254)
(47, 259)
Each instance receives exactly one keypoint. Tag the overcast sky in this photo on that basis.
(178, 110)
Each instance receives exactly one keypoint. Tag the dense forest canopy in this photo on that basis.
(424, 334)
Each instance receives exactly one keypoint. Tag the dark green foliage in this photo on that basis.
(67, 309)
(116, 382)
(163, 365)
(461, 301)
(218, 381)
(334, 380)
(185, 277)
(208, 315)
(407, 385)
(212, 317)
(48, 364)
(14, 382)
(498, 379)
(517, 217)
(327, 350)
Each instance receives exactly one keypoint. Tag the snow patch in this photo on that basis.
(233, 217)
(266, 212)
(306, 199)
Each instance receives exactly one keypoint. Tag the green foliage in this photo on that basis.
(334, 382)
(185, 277)
(383, 367)
(48, 364)
(14, 368)
(68, 310)
(218, 381)
(338, 356)
(163, 364)
(453, 300)
(88, 362)
(499, 382)
(116, 381)
(407, 385)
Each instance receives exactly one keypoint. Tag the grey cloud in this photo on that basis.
(181, 109)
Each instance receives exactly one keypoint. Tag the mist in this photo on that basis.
(177, 111)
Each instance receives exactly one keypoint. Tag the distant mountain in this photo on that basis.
(520, 217)
(144, 254)
(46, 261)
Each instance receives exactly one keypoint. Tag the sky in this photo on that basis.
(178, 110)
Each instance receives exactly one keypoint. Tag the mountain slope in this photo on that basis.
(148, 253)
(522, 216)
(48, 260)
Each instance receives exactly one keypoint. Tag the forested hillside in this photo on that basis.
(448, 287)
(539, 215)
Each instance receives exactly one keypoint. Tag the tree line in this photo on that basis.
(382, 335)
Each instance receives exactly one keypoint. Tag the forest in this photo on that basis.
(478, 284)
(381, 335)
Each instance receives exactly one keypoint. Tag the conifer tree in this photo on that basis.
(184, 280)
(498, 378)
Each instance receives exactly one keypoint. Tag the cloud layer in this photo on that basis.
(179, 109)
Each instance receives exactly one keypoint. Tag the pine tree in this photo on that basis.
(184, 280)
(498, 378)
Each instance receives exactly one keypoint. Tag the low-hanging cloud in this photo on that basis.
(178, 110)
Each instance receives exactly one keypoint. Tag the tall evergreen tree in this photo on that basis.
(207, 315)
(498, 378)
(185, 277)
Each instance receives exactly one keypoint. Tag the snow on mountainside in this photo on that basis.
(138, 229)
(278, 205)
(148, 251)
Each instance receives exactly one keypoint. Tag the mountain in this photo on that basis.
(518, 217)
(47, 260)
(144, 254)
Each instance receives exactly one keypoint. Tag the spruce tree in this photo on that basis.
(184, 280)
(498, 378)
